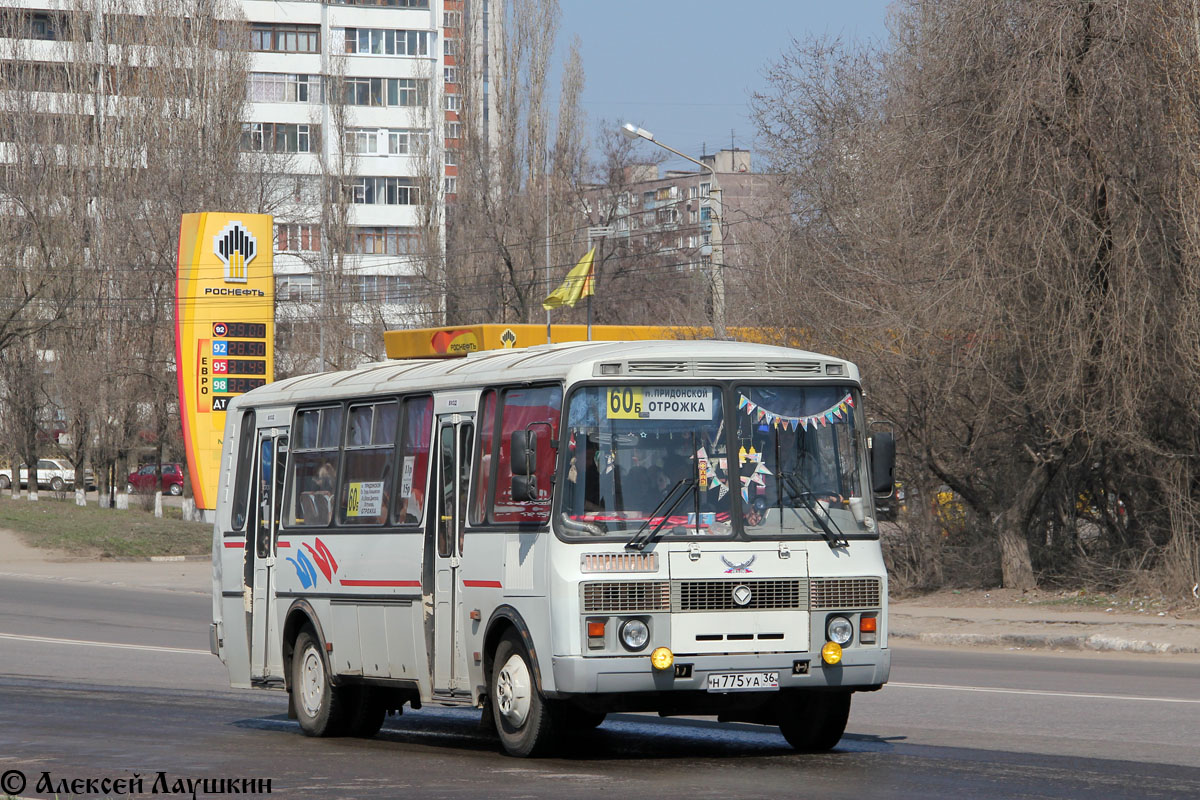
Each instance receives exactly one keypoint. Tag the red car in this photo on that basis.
(143, 479)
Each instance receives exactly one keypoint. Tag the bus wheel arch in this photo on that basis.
(504, 619)
(300, 616)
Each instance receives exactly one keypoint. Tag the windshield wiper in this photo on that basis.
(644, 535)
(797, 490)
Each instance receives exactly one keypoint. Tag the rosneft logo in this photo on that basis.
(236, 247)
(454, 343)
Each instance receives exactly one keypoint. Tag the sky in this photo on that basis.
(685, 69)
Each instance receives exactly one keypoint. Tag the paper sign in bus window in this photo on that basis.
(406, 476)
(365, 499)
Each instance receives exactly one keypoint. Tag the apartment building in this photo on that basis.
(671, 215)
(350, 103)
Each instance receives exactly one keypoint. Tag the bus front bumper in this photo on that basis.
(866, 668)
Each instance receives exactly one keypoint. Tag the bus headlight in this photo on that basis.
(635, 634)
(840, 630)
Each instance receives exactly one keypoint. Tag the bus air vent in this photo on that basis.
(793, 367)
(620, 596)
(659, 368)
(728, 367)
(618, 562)
(829, 593)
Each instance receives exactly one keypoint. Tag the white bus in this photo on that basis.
(556, 533)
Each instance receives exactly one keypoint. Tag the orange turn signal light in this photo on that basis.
(867, 624)
(595, 629)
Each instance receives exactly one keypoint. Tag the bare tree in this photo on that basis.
(994, 215)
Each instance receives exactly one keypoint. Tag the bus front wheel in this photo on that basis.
(322, 709)
(815, 722)
(523, 720)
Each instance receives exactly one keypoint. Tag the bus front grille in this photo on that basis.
(618, 596)
(719, 595)
(829, 593)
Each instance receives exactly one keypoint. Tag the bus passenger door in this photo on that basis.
(455, 441)
(266, 657)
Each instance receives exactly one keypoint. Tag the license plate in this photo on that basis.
(743, 681)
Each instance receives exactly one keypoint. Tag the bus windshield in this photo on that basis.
(801, 460)
(646, 454)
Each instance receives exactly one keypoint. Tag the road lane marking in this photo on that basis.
(87, 643)
(1042, 693)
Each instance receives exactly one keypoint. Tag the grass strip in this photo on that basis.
(59, 524)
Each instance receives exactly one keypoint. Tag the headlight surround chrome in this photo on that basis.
(839, 629)
(635, 634)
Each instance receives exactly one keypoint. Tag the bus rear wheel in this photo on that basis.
(523, 718)
(815, 722)
(322, 709)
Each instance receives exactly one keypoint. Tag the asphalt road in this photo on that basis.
(100, 681)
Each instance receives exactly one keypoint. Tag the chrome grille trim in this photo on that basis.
(830, 593)
(618, 562)
(717, 595)
(602, 597)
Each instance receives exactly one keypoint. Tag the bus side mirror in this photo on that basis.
(883, 463)
(523, 455)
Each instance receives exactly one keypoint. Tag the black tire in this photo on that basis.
(367, 713)
(572, 718)
(523, 718)
(5, 482)
(56, 484)
(321, 708)
(815, 722)
(175, 490)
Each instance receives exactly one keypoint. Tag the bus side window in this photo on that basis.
(539, 410)
(244, 470)
(313, 469)
(415, 434)
(483, 465)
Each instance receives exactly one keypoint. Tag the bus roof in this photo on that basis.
(652, 360)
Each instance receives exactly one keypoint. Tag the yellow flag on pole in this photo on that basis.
(579, 284)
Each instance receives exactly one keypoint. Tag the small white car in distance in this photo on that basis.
(53, 473)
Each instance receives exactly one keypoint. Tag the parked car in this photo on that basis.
(142, 480)
(53, 473)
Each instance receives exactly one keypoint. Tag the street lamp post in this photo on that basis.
(717, 272)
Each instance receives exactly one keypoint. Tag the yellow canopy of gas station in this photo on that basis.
(458, 340)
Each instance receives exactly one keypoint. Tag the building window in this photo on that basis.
(383, 191)
(451, 19)
(451, 185)
(450, 74)
(297, 288)
(384, 240)
(407, 142)
(297, 238)
(452, 102)
(451, 158)
(388, 3)
(279, 137)
(273, 87)
(383, 288)
(451, 46)
(385, 91)
(384, 42)
(453, 130)
(362, 141)
(278, 38)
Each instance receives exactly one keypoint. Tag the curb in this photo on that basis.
(1095, 642)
